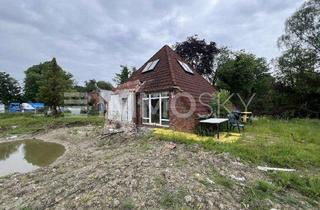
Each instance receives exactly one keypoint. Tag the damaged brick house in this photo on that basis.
(164, 92)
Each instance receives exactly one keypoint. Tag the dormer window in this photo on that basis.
(185, 67)
(150, 66)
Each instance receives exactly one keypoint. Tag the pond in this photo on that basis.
(27, 155)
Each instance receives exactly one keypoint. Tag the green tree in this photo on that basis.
(245, 74)
(53, 85)
(200, 54)
(220, 104)
(10, 90)
(123, 76)
(104, 85)
(34, 76)
(91, 85)
(298, 68)
(302, 29)
(79, 88)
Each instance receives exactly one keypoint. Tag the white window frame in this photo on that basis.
(149, 98)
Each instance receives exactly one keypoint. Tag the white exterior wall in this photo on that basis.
(122, 106)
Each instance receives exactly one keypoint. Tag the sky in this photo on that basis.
(92, 38)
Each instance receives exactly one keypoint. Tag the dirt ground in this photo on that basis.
(131, 172)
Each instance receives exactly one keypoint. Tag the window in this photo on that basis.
(145, 111)
(185, 67)
(155, 109)
(150, 66)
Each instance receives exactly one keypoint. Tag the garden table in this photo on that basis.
(216, 121)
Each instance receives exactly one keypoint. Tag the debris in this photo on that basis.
(188, 198)
(209, 180)
(12, 137)
(240, 179)
(113, 132)
(262, 168)
(170, 146)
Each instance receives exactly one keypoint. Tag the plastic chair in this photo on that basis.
(233, 122)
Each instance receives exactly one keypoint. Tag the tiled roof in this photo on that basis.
(168, 74)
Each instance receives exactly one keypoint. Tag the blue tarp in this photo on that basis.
(37, 105)
(14, 107)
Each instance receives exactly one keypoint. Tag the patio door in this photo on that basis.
(155, 109)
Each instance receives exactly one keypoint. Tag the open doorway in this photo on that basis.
(124, 109)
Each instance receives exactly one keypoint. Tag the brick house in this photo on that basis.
(165, 91)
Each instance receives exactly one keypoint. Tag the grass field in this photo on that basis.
(275, 143)
(11, 124)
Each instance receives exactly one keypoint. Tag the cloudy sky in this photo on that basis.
(91, 39)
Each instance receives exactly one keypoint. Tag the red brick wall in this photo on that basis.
(138, 119)
(180, 123)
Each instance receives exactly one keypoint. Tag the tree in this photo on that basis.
(302, 29)
(9, 89)
(53, 85)
(200, 54)
(104, 85)
(245, 74)
(123, 76)
(34, 76)
(90, 85)
(298, 68)
(218, 99)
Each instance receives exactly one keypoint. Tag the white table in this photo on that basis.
(216, 121)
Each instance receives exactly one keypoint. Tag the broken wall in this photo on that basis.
(122, 106)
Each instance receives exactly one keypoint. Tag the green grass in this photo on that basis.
(173, 199)
(222, 180)
(256, 194)
(278, 143)
(275, 143)
(11, 124)
(127, 205)
(308, 185)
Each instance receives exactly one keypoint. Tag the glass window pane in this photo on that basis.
(154, 63)
(154, 95)
(165, 122)
(143, 95)
(164, 108)
(145, 108)
(145, 120)
(165, 94)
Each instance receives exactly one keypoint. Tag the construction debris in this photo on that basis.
(170, 146)
(262, 168)
(111, 132)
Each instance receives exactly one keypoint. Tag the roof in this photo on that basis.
(129, 85)
(168, 74)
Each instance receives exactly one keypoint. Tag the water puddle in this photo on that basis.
(27, 155)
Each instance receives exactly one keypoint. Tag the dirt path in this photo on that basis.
(125, 172)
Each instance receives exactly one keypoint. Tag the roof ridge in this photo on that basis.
(170, 64)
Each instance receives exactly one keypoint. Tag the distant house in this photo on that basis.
(2, 107)
(165, 92)
(99, 99)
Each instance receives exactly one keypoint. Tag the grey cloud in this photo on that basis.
(91, 39)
